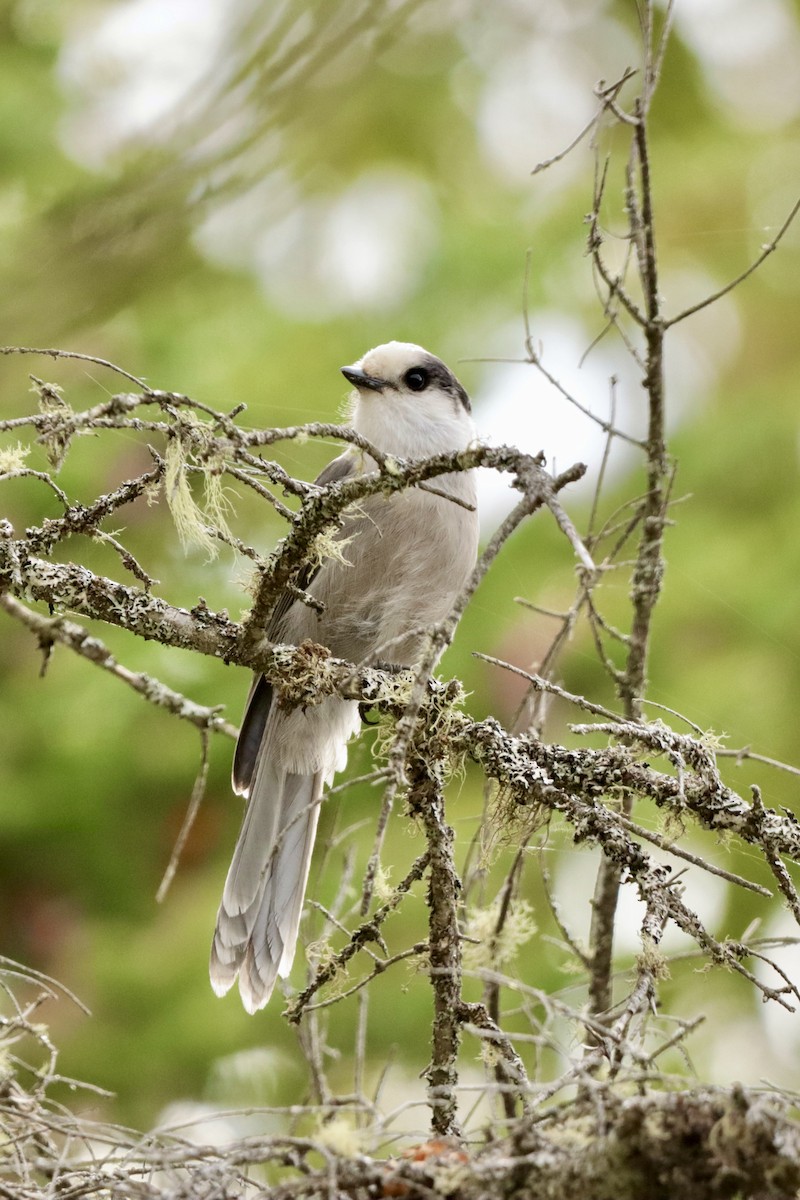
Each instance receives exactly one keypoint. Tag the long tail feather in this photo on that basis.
(283, 777)
(259, 917)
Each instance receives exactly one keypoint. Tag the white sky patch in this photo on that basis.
(130, 69)
(704, 893)
(363, 248)
(782, 1027)
(697, 349)
(750, 53)
(227, 234)
(575, 876)
(539, 94)
(517, 405)
(530, 109)
(772, 188)
(379, 233)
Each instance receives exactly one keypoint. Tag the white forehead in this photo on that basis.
(393, 359)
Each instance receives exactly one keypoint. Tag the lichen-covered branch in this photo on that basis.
(594, 1129)
(608, 1143)
(648, 570)
(444, 946)
(52, 631)
(575, 782)
(367, 932)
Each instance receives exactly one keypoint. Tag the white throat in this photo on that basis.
(399, 425)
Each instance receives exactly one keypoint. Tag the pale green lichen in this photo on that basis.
(340, 1135)
(51, 396)
(329, 544)
(441, 723)
(382, 888)
(54, 437)
(320, 952)
(190, 521)
(152, 493)
(192, 446)
(509, 823)
(12, 458)
(714, 741)
(249, 581)
(310, 675)
(652, 960)
(489, 1054)
(216, 504)
(493, 948)
(450, 1177)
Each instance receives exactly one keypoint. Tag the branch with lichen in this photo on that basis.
(709, 1143)
(651, 516)
(579, 783)
(426, 800)
(628, 289)
(570, 781)
(210, 444)
(52, 631)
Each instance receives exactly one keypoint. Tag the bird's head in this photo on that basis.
(408, 402)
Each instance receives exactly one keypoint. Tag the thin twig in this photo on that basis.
(766, 250)
(198, 792)
(89, 358)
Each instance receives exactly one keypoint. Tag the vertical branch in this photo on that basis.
(492, 986)
(648, 570)
(426, 800)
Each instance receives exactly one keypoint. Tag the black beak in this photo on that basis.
(359, 379)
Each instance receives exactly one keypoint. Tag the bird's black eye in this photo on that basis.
(417, 379)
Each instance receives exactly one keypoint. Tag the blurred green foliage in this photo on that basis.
(93, 783)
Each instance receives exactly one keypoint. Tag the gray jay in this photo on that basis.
(405, 558)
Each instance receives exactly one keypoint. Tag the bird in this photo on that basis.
(403, 560)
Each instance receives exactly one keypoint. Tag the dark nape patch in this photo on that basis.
(462, 395)
(444, 377)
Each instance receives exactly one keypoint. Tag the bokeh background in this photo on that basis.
(232, 200)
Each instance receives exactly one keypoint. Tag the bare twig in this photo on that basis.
(198, 792)
(766, 250)
(73, 354)
(746, 753)
(365, 933)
